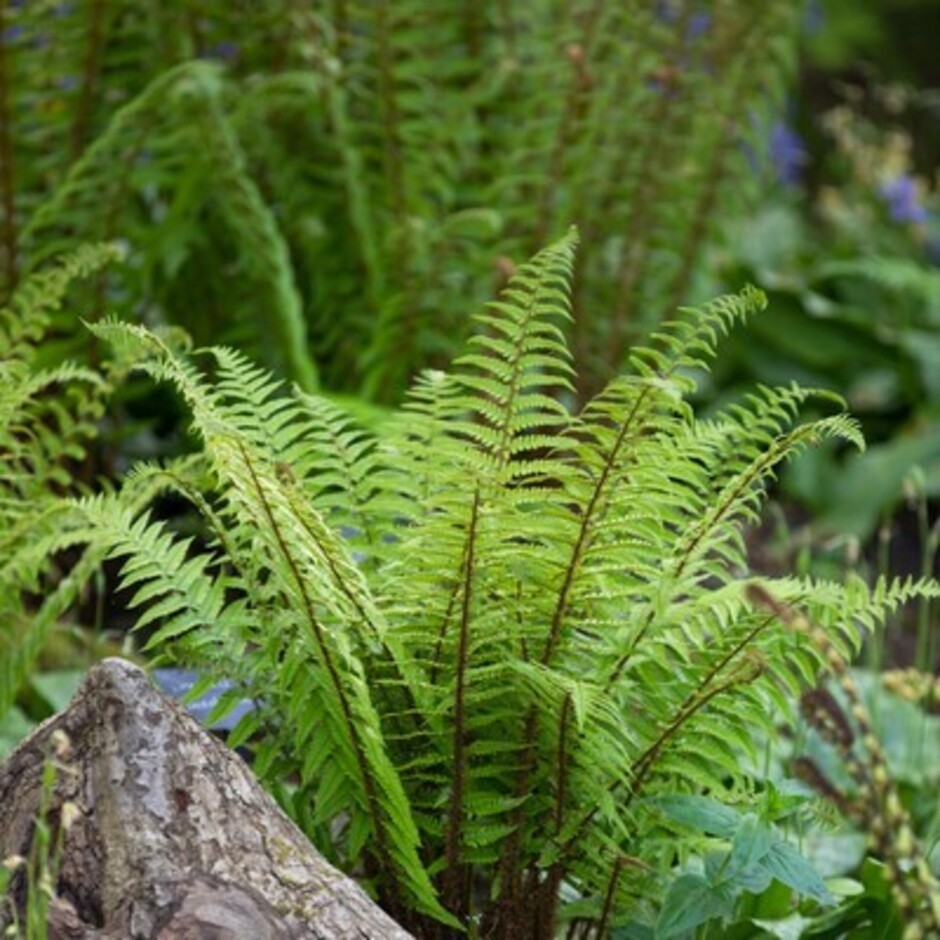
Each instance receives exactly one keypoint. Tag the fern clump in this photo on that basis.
(488, 634)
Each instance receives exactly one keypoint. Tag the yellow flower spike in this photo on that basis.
(893, 806)
(904, 841)
(835, 660)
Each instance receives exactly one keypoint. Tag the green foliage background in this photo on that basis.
(318, 183)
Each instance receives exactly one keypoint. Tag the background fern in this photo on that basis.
(346, 170)
(487, 635)
(48, 416)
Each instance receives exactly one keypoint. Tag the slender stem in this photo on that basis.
(618, 865)
(456, 893)
(638, 238)
(575, 106)
(90, 74)
(583, 538)
(561, 784)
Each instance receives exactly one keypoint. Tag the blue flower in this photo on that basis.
(698, 25)
(226, 51)
(903, 201)
(787, 152)
(11, 34)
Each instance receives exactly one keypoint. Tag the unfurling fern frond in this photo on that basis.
(485, 633)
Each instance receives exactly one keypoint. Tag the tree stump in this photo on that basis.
(170, 836)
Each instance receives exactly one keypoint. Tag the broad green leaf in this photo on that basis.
(751, 843)
(786, 864)
(692, 901)
(699, 812)
(58, 687)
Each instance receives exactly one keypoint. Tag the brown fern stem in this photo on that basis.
(456, 877)
(582, 540)
(91, 70)
(693, 704)
(573, 111)
(340, 20)
(702, 216)
(561, 763)
(511, 893)
(715, 177)
(611, 893)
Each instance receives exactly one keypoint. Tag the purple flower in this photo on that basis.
(11, 34)
(787, 152)
(900, 195)
(226, 51)
(698, 25)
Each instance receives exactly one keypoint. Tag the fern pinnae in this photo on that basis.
(683, 344)
(344, 460)
(733, 500)
(567, 845)
(704, 693)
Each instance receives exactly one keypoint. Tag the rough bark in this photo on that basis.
(173, 839)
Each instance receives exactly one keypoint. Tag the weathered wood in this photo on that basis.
(173, 839)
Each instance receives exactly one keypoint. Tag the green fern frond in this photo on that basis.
(175, 133)
(48, 417)
(24, 319)
(301, 589)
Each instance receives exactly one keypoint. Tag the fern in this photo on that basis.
(487, 634)
(174, 135)
(48, 416)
